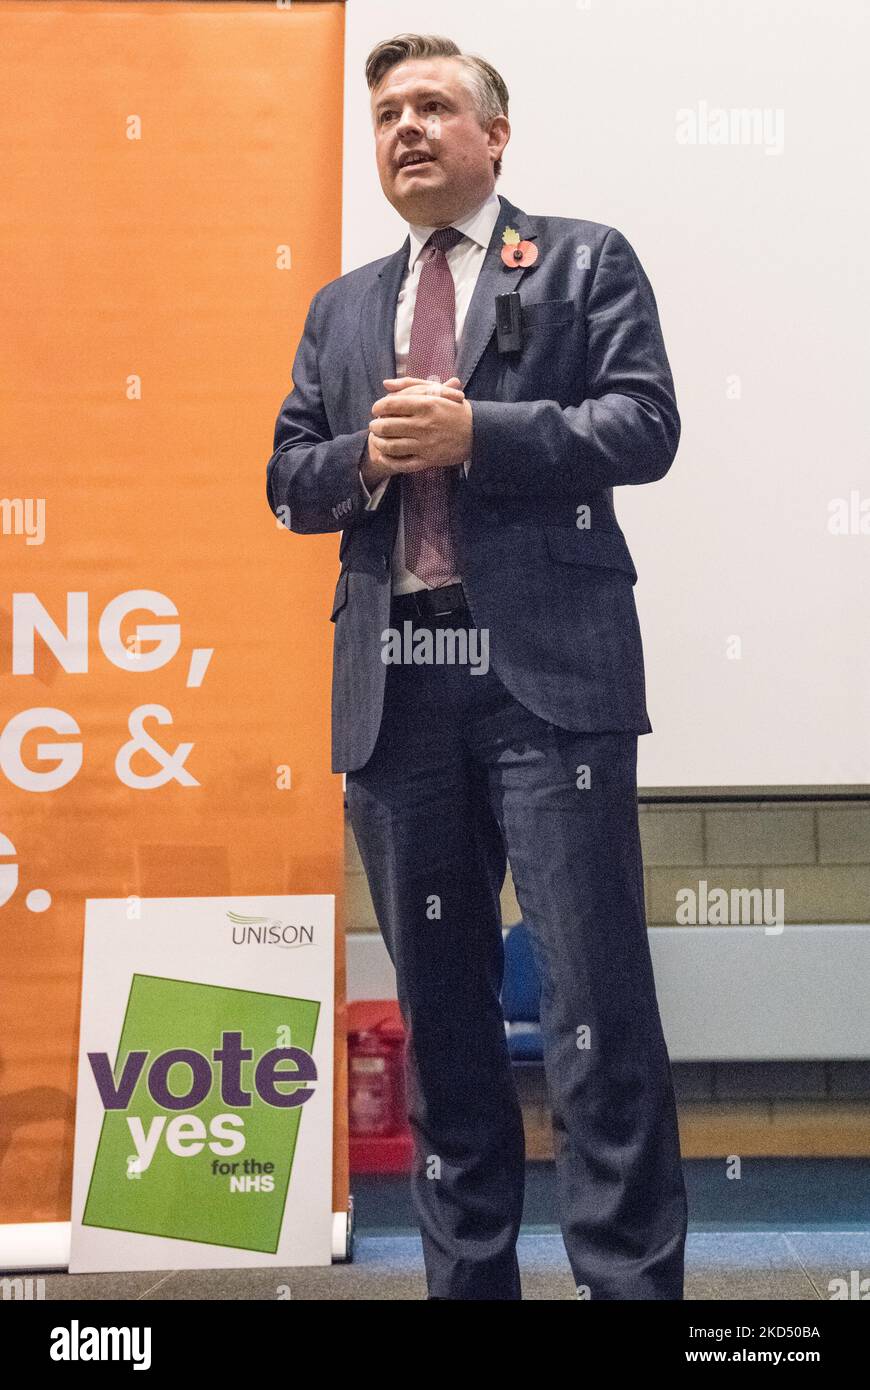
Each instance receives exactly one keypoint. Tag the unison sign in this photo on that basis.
(190, 1121)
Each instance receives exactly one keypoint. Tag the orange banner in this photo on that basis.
(171, 205)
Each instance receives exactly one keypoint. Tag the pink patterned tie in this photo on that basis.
(430, 552)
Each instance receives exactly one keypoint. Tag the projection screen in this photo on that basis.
(726, 140)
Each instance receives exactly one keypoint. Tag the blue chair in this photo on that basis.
(521, 998)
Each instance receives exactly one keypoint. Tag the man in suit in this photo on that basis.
(471, 475)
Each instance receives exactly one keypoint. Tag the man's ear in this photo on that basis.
(498, 135)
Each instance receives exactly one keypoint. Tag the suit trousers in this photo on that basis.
(463, 779)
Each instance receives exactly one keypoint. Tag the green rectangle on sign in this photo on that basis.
(186, 1186)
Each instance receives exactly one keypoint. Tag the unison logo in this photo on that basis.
(267, 931)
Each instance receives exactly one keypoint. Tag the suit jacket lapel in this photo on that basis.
(378, 308)
(378, 319)
(495, 278)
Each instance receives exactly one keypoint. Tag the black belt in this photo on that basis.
(429, 604)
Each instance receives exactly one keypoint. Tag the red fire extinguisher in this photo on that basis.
(376, 1089)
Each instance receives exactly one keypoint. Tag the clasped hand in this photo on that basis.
(419, 424)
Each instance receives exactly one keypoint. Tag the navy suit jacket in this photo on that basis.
(586, 404)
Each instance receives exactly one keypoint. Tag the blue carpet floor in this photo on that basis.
(772, 1194)
(785, 1229)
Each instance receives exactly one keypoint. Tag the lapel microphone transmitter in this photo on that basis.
(509, 322)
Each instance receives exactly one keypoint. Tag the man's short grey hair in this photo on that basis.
(486, 85)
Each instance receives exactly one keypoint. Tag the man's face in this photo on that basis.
(435, 160)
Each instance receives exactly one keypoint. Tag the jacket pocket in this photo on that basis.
(573, 546)
(547, 312)
(340, 596)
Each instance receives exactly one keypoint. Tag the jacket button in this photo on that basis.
(386, 560)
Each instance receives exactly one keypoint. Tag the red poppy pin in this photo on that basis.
(517, 254)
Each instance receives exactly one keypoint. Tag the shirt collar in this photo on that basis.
(478, 227)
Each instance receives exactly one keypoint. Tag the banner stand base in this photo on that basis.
(44, 1245)
(35, 1245)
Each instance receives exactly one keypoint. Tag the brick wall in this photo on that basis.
(818, 854)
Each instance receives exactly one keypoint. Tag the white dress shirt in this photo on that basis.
(465, 260)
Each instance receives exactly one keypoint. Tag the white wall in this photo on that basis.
(759, 266)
